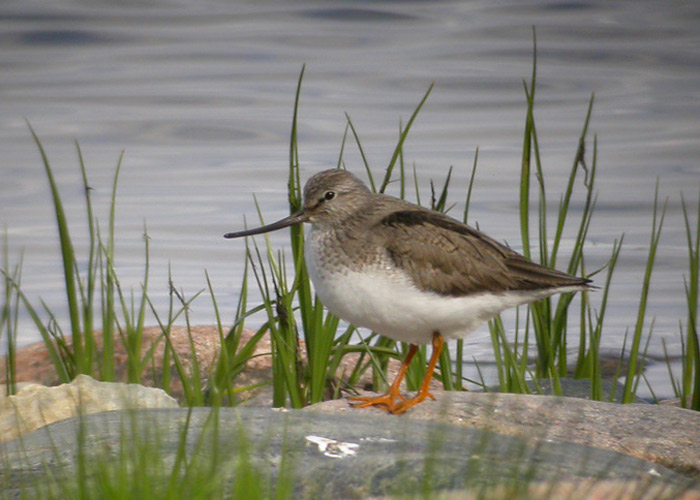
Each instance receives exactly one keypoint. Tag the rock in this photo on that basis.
(33, 363)
(18, 387)
(583, 489)
(664, 435)
(348, 455)
(35, 406)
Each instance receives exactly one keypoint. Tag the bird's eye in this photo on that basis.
(329, 195)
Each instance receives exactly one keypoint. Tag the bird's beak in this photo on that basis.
(294, 219)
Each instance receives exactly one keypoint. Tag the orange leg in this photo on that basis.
(401, 407)
(389, 399)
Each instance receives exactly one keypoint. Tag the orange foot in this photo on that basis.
(388, 401)
(407, 404)
(393, 401)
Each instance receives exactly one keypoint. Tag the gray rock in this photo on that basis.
(326, 455)
(35, 406)
(664, 435)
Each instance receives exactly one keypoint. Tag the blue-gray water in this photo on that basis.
(200, 94)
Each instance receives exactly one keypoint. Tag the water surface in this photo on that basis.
(199, 97)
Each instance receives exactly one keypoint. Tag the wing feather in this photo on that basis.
(451, 258)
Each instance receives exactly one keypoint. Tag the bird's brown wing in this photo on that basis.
(451, 258)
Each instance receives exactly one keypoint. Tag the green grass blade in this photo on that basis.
(527, 154)
(441, 204)
(144, 286)
(402, 168)
(10, 315)
(402, 138)
(415, 184)
(89, 294)
(342, 146)
(68, 260)
(691, 374)
(108, 310)
(63, 369)
(468, 200)
(362, 153)
(294, 192)
(632, 369)
(579, 159)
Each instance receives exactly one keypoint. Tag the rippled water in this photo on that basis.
(199, 96)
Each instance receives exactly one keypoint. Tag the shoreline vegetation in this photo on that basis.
(99, 307)
(312, 356)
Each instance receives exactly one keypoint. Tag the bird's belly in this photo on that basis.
(385, 300)
(394, 307)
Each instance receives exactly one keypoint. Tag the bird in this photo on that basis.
(409, 273)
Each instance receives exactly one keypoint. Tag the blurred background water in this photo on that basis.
(199, 95)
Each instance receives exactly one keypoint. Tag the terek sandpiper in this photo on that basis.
(407, 272)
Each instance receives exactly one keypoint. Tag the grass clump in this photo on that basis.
(546, 323)
(84, 348)
(687, 386)
(310, 371)
(319, 329)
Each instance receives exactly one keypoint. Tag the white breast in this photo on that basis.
(385, 300)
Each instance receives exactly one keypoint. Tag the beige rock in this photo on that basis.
(35, 406)
(33, 363)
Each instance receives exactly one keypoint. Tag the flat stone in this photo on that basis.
(664, 435)
(347, 455)
(35, 406)
(582, 489)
